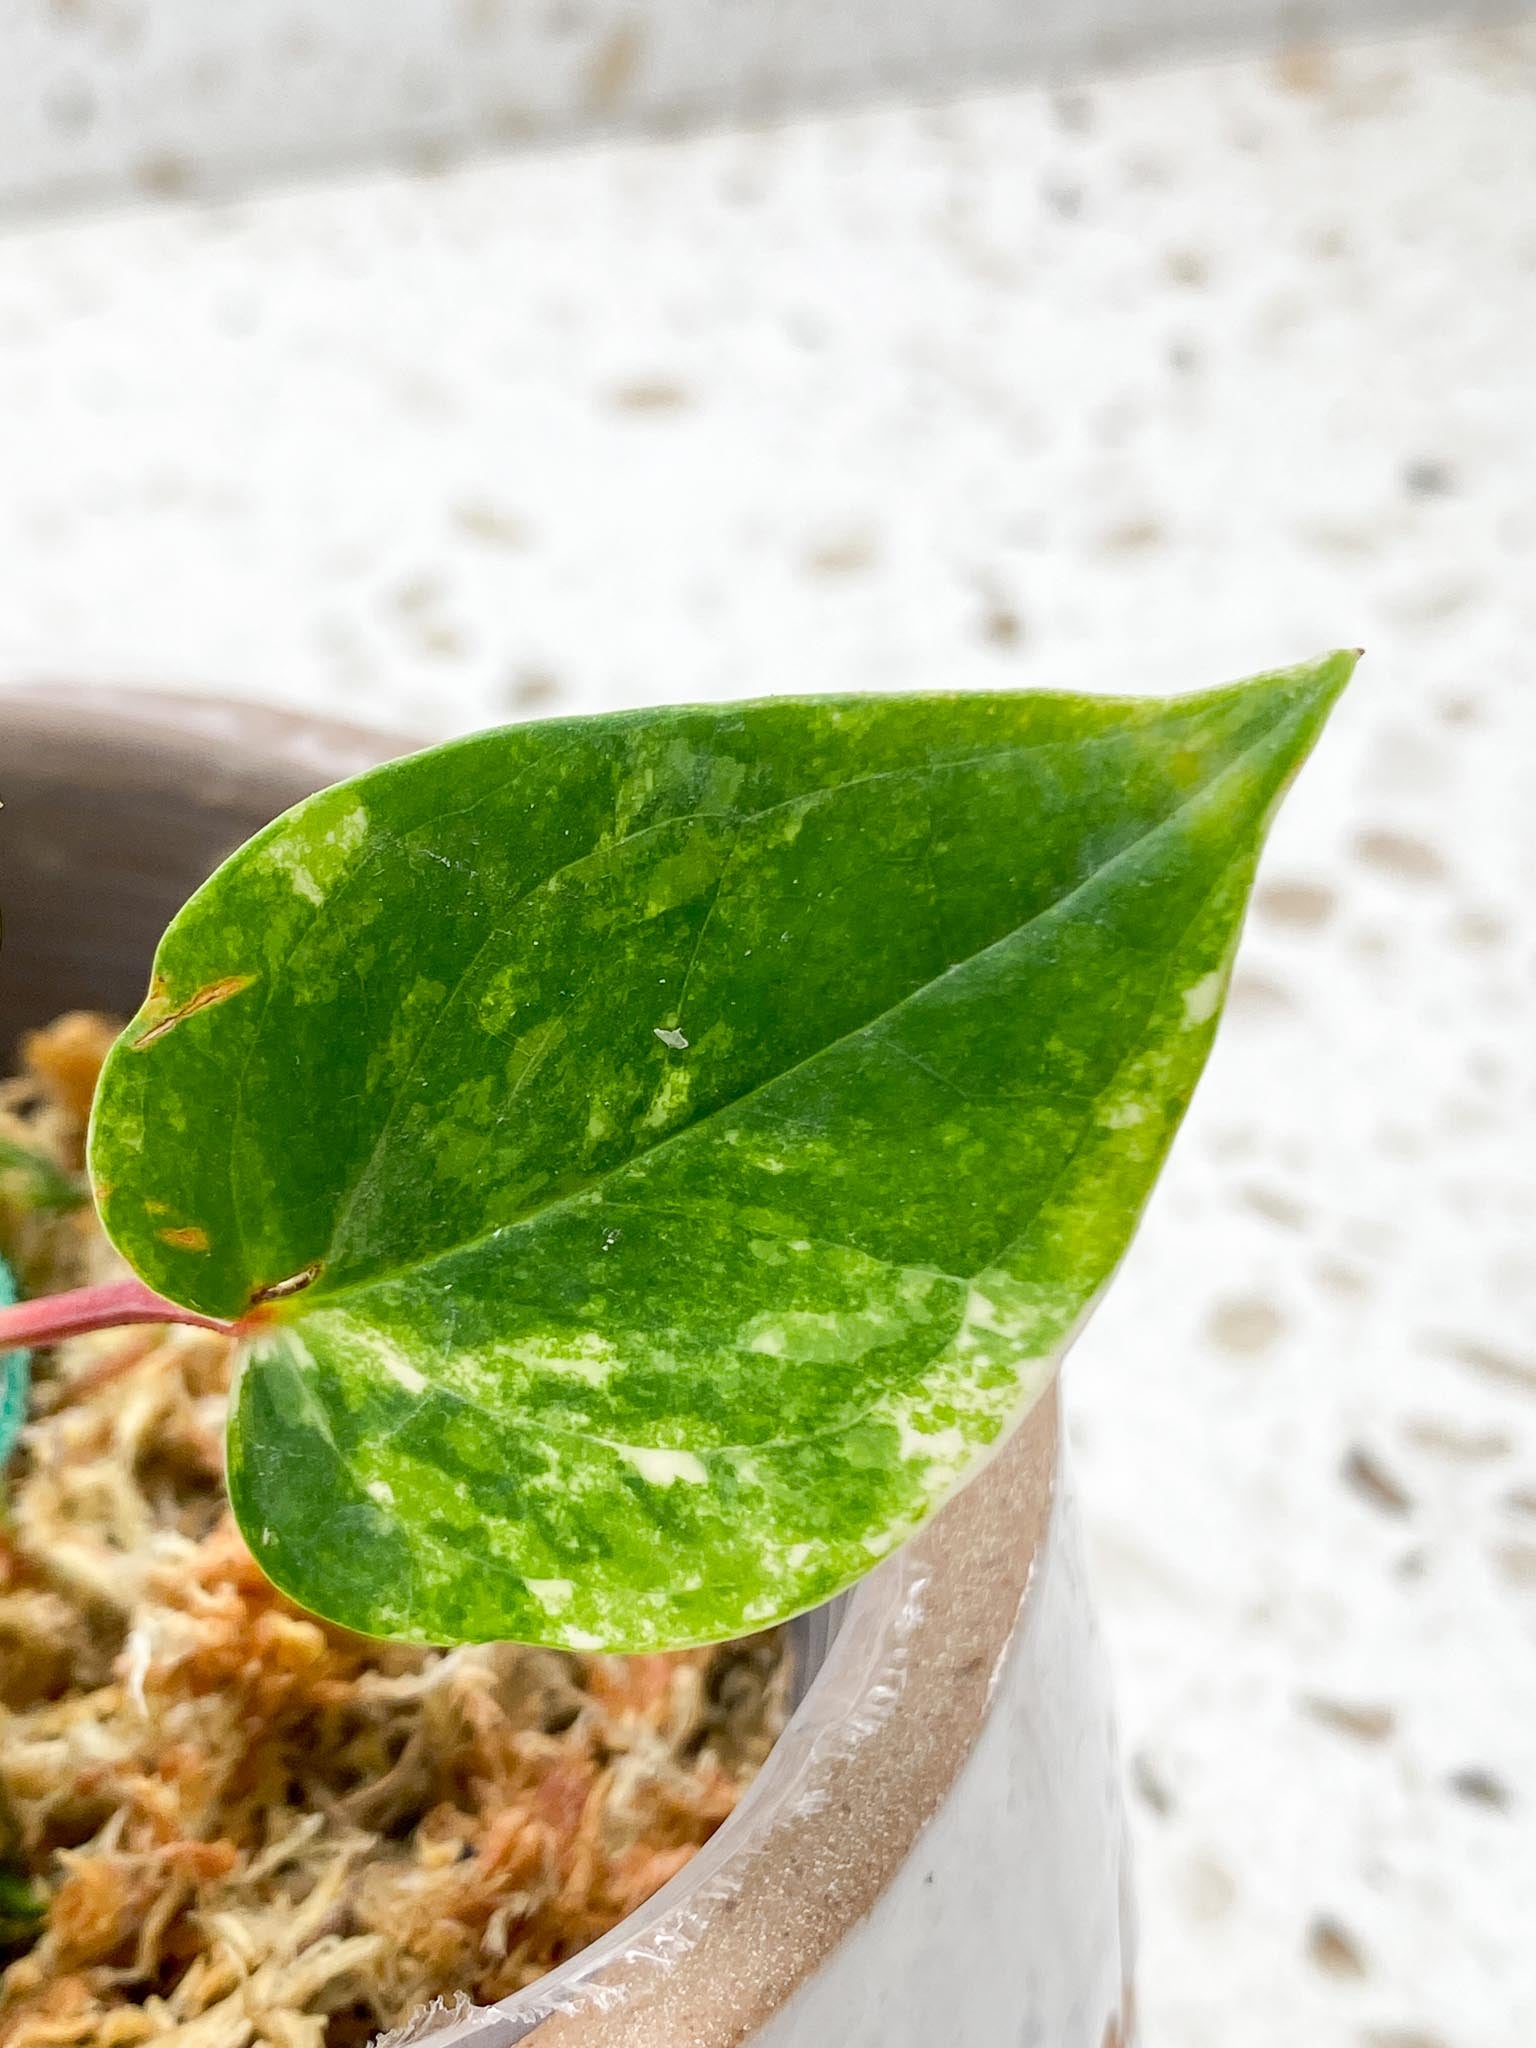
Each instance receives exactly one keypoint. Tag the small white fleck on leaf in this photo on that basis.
(663, 1467)
(551, 1594)
(673, 1038)
(1202, 1001)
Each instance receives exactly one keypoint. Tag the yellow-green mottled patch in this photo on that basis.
(673, 1149)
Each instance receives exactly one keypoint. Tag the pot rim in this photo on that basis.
(866, 1760)
(908, 1659)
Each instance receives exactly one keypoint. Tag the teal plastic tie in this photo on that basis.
(15, 1377)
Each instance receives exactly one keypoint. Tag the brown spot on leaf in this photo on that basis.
(1369, 1477)
(187, 1237)
(1334, 1949)
(1363, 1721)
(204, 999)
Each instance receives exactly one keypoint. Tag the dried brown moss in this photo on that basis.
(251, 1827)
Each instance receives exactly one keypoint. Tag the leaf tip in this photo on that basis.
(1336, 669)
(1309, 691)
(1323, 679)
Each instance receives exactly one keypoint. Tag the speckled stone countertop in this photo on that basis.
(1142, 385)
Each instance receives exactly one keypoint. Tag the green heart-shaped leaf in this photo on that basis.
(673, 1148)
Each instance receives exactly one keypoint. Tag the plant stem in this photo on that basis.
(55, 1316)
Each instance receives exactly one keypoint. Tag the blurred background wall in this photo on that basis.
(106, 97)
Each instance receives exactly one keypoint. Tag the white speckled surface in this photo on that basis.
(1143, 385)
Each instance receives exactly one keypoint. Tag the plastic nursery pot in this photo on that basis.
(936, 1848)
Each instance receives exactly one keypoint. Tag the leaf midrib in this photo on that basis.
(312, 1298)
(741, 821)
(540, 1422)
